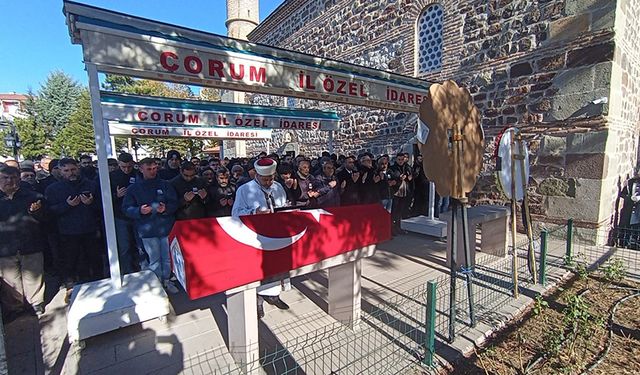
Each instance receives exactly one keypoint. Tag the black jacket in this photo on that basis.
(81, 219)
(20, 229)
(168, 174)
(196, 208)
(118, 180)
(292, 194)
(350, 195)
(369, 192)
(216, 193)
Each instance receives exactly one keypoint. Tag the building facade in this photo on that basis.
(563, 71)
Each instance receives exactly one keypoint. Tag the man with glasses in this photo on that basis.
(191, 191)
(262, 195)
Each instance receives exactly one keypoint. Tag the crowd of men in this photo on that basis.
(51, 211)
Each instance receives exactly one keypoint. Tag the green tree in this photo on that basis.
(77, 137)
(4, 150)
(55, 103)
(32, 137)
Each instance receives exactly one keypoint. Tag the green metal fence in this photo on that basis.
(402, 334)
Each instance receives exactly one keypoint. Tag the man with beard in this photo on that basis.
(348, 179)
(87, 170)
(191, 191)
(54, 176)
(222, 195)
(262, 195)
(75, 203)
(209, 176)
(173, 166)
(151, 202)
(121, 179)
(21, 261)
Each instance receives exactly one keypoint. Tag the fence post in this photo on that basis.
(543, 257)
(569, 255)
(430, 326)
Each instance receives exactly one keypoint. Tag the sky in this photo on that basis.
(34, 38)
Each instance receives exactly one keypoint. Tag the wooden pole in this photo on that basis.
(514, 262)
(531, 254)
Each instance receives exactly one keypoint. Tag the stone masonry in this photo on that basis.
(564, 71)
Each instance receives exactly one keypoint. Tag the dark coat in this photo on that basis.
(350, 195)
(305, 184)
(151, 192)
(329, 197)
(396, 172)
(168, 173)
(81, 219)
(368, 190)
(196, 208)
(214, 208)
(20, 230)
(292, 194)
(120, 179)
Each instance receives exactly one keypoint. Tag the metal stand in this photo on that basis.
(453, 270)
(467, 269)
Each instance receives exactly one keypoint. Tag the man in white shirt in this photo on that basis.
(261, 196)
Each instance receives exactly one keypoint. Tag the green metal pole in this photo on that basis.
(430, 327)
(543, 257)
(569, 255)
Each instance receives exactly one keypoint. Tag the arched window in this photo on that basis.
(429, 39)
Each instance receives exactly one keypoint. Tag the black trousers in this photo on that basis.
(398, 209)
(80, 257)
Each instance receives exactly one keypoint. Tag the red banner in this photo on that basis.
(217, 254)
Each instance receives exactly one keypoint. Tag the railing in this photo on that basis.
(403, 334)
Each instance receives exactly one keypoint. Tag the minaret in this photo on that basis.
(242, 17)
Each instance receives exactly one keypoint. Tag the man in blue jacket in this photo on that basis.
(152, 202)
(74, 201)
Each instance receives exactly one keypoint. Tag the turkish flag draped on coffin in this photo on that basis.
(217, 254)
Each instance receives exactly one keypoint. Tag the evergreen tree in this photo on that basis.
(77, 137)
(32, 137)
(56, 102)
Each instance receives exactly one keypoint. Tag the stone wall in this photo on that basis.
(544, 66)
(624, 106)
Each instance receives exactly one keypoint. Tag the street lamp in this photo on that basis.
(12, 140)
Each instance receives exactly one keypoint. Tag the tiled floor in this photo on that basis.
(193, 340)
